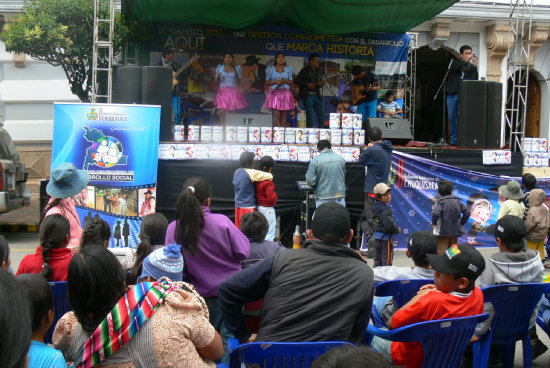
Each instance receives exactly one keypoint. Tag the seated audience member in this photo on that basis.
(347, 356)
(389, 108)
(39, 294)
(152, 232)
(164, 262)
(512, 264)
(15, 333)
(322, 292)
(96, 232)
(177, 333)
(52, 257)
(453, 295)
(5, 259)
(254, 226)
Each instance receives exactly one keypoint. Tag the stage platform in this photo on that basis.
(173, 173)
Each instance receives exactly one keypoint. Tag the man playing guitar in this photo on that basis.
(310, 81)
(364, 91)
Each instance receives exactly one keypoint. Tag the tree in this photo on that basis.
(60, 32)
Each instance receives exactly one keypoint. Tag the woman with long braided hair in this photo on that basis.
(97, 232)
(52, 256)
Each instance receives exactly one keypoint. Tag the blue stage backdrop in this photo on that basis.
(414, 188)
(118, 146)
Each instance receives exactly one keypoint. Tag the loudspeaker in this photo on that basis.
(494, 114)
(127, 84)
(156, 89)
(392, 128)
(472, 114)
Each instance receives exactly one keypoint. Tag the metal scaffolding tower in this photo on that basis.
(102, 71)
(409, 101)
(519, 47)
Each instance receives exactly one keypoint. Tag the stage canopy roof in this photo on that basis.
(316, 16)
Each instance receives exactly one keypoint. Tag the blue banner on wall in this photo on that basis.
(414, 189)
(118, 146)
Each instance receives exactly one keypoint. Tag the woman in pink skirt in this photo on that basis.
(279, 98)
(229, 97)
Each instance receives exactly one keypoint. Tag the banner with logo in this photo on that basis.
(414, 190)
(118, 146)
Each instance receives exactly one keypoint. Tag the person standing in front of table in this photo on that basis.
(464, 68)
(377, 161)
(280, 98)
(326, 174)
(310, 81)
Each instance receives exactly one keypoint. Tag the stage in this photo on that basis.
(173, 173)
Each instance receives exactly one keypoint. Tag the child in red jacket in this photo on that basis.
(266, 197)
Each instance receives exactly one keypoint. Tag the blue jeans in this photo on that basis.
(216, 320)
(341, 201)
(269, 213)
(176, 106)
(313, 104)
(367, 109)
(452, 110)
(382, 346)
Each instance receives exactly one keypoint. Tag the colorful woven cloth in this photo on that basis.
(123, 322)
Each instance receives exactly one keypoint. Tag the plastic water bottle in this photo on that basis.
(296, 238)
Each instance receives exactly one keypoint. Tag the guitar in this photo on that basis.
(176, 73)
(303, 91)
(356, 91)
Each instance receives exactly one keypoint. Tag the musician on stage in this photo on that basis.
(229, 97)
(310, 81)
(367, 99)
(464, 68)
(168, 61)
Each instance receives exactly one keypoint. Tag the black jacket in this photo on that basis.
(320, 293)
(455, 75)
(453, 214)
(308, 75)
(383, 218)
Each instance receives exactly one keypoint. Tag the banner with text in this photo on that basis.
(118, 146)
(414, 191)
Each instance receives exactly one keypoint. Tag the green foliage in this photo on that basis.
(60, 32)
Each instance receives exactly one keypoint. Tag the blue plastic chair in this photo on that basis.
(443, 341)
(543, 325)
(61, 305)
(279, 354)
(401, 290)
(514, 305)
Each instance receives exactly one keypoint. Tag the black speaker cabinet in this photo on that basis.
(393, 129)
(472, 114)
(494, 115)
(156, 89)
(127, 84)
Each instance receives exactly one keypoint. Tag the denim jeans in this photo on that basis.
(313, 104)
(269, 213)
(367, 109)
(216, 320)
(176, 106)
(452, 110)
(382, 346)
(341, 201)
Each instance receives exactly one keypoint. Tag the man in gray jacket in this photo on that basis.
(322, 292)
(327, 175)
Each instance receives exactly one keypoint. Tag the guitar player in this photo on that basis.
(310, 81)
(168, 61)
(364, 91)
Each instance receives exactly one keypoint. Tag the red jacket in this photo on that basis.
(59, 262)
(265, 193)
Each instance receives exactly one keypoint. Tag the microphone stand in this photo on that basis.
(443, 140)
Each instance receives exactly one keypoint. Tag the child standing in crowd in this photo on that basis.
(255, 226)
(384, 226)
(229, 97)
(39, 295)
(243, 182)
(279, 98)
(513, 204)
(213, 248)
(537, 221)
(52, 257)
(529, 182)
(97, 232)
(448, 217)
(266, 197)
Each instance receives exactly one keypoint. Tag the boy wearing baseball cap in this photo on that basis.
(453, 295)
(384, 226)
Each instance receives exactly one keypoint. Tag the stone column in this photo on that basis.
(539, 34)
(439, 33)
(496, 42)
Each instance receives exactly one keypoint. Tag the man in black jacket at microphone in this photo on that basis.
(464, 68)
